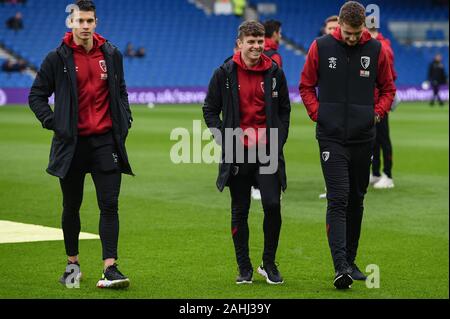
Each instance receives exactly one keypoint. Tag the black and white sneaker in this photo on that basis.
(71, 276)
(113, 278)
(271, 273)
(245, 276)
(343, 279)
(357, 274)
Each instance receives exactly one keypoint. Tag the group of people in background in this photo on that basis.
(10, 66)
(130, 52)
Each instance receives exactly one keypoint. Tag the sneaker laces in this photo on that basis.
(114, 267)
(273, 267)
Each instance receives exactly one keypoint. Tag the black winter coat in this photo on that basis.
(57, 75)
(221, 111)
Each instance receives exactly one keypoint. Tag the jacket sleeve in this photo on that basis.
(391, 63)
(123, 88)
(284, 106)
(385, 84)
(309, 80)
(43, 87)
(212, 106)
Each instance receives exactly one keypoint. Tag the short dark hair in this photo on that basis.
(352, 13)
(271, 26)
(86, 5)
(250, 28)
(334, 18)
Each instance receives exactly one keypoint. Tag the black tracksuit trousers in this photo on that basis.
(346, 171)
(383, 142)
(435, 86)
(96, 155)
(240, 183)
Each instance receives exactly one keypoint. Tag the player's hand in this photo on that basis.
(377, 119)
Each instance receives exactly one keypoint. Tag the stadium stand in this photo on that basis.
(184, 45)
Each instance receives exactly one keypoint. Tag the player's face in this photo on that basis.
(351, 35)
(330, 27)
(85, 25)
(278, 36)
(251, 47)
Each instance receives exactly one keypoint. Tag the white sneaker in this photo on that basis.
(374, 179)
(256, 194)
(384, 182)
(322, 196)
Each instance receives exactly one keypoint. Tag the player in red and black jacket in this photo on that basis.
(90, 122)
(346, 67)
(271, 44)
(272, 40)
(249, 92)
(382, 139)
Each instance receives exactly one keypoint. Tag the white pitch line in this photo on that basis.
(12, 232)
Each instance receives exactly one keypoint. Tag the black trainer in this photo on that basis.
(72, 281)
(113, 278)
(343, 279)
(356, 273)
(245, 276)
(271, 273)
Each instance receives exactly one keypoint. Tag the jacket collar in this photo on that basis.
(229, 66)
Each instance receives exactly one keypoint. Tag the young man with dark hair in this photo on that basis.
(90, 122)
(346, 66)
(382, 139)
(272, 40)
(249, 92)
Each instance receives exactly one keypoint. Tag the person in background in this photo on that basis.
(436, 77)
(140, 53)
(15, 23)
(129, 51)
(382, 139)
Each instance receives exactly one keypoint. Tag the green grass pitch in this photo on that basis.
(175, 239)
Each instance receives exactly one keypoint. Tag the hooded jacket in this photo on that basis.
(251, 98)
(386, 44)
(92, 86)
(221, 110)
(271, 50)
(57, 75)
(346, 80)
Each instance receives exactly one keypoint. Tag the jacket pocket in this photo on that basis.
(331, 120)
(360, 121)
